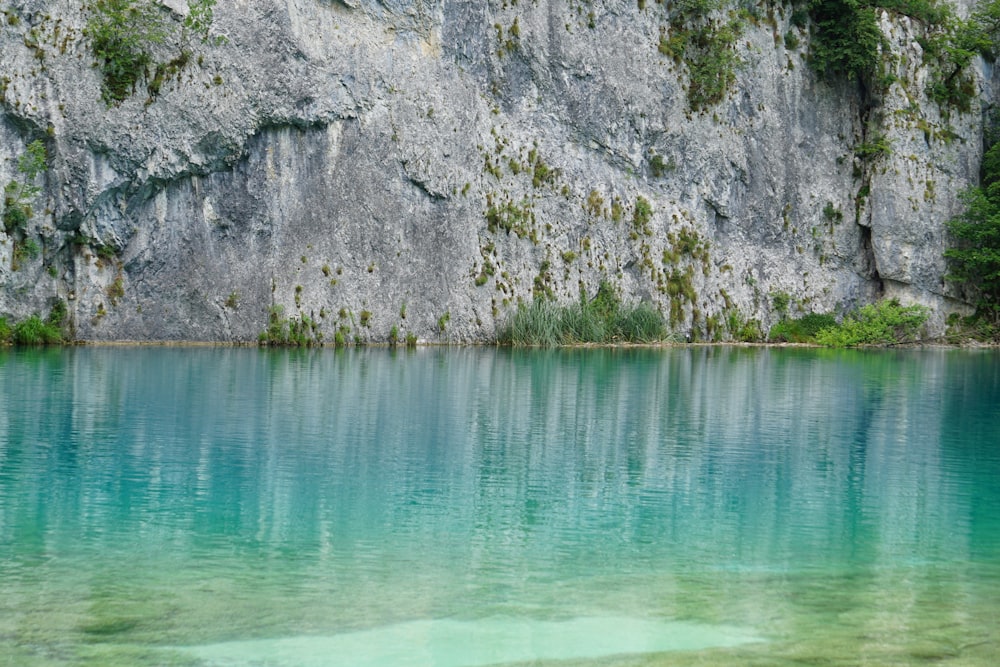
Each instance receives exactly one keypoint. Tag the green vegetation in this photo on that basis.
(845, 39)
(19, 194)
(832, 213)
(875, 147)
(116, 290)
(34, 330)
(124, 34)
(801, 329)
(974, 260)
(952, 46)
(974, 327)
(643, 215)
(884, 323)
(742, 329)
(781, 301)
(660, 167)
(704, 39)
(198, 22)
(510, 217)
(290, 332)
(24, 250)
(603, 319)
(846, 42)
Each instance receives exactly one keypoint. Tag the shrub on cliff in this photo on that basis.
(19, 194)
(122, 34)
(34, 330)
(974, 260)
(845, 38)
(801, 329)
(884, 323)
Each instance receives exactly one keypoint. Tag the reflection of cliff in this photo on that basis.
(747, 452)
(763, 475)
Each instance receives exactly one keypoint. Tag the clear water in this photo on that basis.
(458, 508)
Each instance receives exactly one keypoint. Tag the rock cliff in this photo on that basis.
(416, 167)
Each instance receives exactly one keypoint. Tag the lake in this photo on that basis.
(460, 507)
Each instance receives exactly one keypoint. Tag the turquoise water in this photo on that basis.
(467, 507)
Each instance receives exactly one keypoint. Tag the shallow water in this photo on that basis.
(458, 508)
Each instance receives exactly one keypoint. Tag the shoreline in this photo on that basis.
(936, 343)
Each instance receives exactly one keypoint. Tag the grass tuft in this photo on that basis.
(603, 319)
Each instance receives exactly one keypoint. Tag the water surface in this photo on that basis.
(458, 508)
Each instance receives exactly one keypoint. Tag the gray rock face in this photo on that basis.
(421, 166)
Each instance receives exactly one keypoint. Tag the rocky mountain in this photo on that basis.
(415, 168)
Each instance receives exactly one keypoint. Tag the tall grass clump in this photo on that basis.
(603, 319)
(538, 323)
(289, 332)
(34, 330)
(884, 323)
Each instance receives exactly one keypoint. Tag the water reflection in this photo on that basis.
(747, 486)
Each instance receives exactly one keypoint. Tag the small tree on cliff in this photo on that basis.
(975, 259)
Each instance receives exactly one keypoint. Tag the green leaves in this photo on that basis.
(199, 19)
(19, 194)
(846, 39)
(706, 43)
(884, 323)
(34, 330)
(122, 34)
(603, 319)
(32, 161)
(975, 259)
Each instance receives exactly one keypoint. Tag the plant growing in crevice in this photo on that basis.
(125, 35)
(302, 331)
(704, 39)
(873, 148)
(19, 194)
(832, 213)
(845, 39)
(660, 167)
(116, 290)
(24, 250)
(122, 36)
(642, 215)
